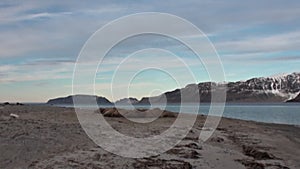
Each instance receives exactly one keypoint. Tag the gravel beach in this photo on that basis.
(51, 137)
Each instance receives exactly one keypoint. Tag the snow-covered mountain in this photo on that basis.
(263, 89)
(283, 87)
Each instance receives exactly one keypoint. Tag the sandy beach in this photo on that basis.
(51, 137)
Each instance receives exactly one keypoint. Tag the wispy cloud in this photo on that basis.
(37, 70)
(272, 43)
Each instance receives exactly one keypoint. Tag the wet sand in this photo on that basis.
(51, 137)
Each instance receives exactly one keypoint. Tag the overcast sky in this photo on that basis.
(41, 40)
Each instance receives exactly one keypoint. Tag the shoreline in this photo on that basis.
(200, 114)
(277, 115)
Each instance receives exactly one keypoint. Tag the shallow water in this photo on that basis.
(268, 113)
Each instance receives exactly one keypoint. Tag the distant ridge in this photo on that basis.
(84, 99)
(127, 101)
(280, 88)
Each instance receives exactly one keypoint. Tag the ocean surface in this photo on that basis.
(279, 113)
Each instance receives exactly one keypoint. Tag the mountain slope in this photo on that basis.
(296, 99)
(263, 89)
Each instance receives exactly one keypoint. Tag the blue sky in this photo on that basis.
(40, 41)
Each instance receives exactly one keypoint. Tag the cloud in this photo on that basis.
(259, 44)
(6, 68)
(285, 58)
(11, 19)
(37, 70)
(34, 27)
(18, 11)
(49, 62)
(66, 23)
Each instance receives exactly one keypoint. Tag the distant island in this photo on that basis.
(85, 99)
(284, 88)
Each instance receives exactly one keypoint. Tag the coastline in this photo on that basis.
(275, 113)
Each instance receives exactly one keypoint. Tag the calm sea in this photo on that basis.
(279, 113)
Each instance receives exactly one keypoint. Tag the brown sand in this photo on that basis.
(51, 137)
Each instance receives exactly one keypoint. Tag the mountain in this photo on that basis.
(84, 99)
(296, 99)
(127, 101)
(263, 89)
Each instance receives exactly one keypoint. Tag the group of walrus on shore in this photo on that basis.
(136, 113)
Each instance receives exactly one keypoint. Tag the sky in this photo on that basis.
(41, 40)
